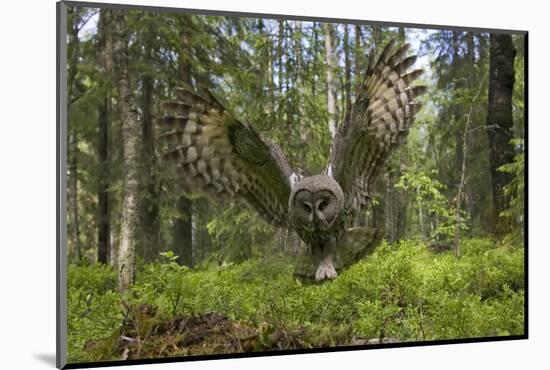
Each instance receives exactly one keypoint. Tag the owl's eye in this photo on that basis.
(322, 205)
(307, 207)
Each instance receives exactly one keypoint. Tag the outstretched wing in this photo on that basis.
(375, 124)
(211, 151)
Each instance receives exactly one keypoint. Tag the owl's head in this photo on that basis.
(316, 202)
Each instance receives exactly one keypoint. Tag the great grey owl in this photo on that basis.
(217, 154)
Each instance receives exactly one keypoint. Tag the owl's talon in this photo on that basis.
(325, 271)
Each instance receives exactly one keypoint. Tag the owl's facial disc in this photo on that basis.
(326, 208)
(315, 209)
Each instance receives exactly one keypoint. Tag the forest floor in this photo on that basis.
(205, 334)
(402, 292)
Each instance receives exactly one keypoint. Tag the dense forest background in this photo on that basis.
(141, 250)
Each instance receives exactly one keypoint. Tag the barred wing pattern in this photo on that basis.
(213, 152)
(375, 124)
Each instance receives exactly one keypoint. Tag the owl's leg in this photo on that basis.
(325, 269)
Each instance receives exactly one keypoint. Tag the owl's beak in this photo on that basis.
(320, 217)
(320, 221)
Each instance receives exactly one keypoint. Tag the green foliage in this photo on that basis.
(93, 305)
(157, 280)
(239, 232)
(515, 191)
(428, 195)
(96, 278)
(402, 291)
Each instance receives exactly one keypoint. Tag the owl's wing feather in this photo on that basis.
(375, 124)
(211, 151)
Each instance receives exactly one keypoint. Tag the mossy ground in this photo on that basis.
(402, 292)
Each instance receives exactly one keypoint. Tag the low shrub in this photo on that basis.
(403, 291)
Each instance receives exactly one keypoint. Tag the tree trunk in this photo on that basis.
(421, 217)
(182, 233)
(402, 201)
(377, 38)
(388, 208)
(500, 120)
(131, 153)
(72, 181)
(113, 248)
(271, 82)
(103, 201)
(289, 105)
(401, 215)
(104, 207)
(482, 46)
(314, 52)
(299, 83)
(359, 58)
(470, 48)
(462, 181)
(72, 150)
(455, 46)
(267, 72)
(347, 68)
(150, 207)
(297, 37)
(457, 110)
(378, 219)
(280, 57)
(331, 81)
(182, 227)
(402, 37)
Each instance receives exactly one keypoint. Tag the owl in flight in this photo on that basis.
(211, 151)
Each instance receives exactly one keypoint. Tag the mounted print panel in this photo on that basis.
(242, 184)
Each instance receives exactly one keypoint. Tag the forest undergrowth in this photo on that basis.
(403, 292)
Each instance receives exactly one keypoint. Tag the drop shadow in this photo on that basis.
(47, 358)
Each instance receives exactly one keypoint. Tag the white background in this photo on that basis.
(27, 182)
